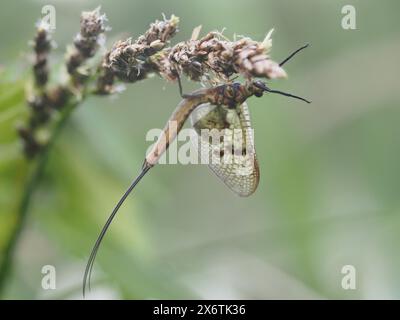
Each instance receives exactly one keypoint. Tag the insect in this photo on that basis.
(221, 107)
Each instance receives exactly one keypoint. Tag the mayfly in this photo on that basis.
(220, 107)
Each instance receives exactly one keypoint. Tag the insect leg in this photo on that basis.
(179, 85)
(183, 95)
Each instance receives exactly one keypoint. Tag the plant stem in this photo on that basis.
(23, 208)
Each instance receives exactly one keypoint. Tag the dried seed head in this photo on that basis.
(160, 31)
(129, 60)
(42, 44)
(74, 59)
(30, 144)
(250, 58)
(105, 80)
(57, 97)
(90, 36)
(88, 40)
(217, 59)
(212, 58)
(40, 71)
(42, 40)
(163, 65)
(93, 23)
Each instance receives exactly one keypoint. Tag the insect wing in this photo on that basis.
(226, 143)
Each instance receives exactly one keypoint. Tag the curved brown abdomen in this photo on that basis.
(173, 126)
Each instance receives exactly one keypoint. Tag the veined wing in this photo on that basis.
(226, 144)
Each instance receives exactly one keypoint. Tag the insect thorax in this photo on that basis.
(234, 94)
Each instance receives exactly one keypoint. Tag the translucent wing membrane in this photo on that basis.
(226, 144)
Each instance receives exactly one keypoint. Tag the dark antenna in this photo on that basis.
(293, 54)
(262, 86)
(90, 263)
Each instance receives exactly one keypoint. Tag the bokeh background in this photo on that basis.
(330, 178)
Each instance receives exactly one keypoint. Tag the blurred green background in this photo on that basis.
(330, 178)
